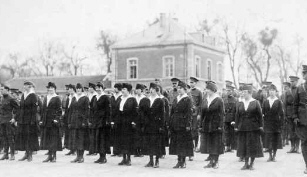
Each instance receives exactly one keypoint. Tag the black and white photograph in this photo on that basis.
(135, 88)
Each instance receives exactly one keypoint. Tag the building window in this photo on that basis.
(168, 66)
(197, 66)
(220, 72)
(132, 68)
(209, 69)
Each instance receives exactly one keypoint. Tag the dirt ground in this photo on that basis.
(287, 165)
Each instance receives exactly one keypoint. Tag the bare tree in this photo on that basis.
(282, 58)
(74, 59)
(233, 43)
(17, 66)
(105, 41)
(207, 27)
(297, 62)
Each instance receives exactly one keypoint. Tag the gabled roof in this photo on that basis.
(169, 32)
(60, 82)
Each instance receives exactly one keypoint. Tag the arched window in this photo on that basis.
(132, 68)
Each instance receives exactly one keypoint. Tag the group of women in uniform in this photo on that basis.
(98, 122)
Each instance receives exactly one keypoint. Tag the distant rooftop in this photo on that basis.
(166, 31)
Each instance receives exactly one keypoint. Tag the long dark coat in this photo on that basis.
(78, 122)
(154, 128)
(125, 133)
(67, 114)
(300, 111)
(230, 103)
(143, 108)
(113, 135)
(101, 124)
(248, 123)
(180, 119)
(273, 123)
(212, 127)
(51, 135)
(166, 121)
(91, 130)
(27, 121)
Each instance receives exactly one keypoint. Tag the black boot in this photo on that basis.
(53, 160)
(123, 162)
(77, 158)
(12, 155)
(183, 164)
(251, 166)
(178, 162)
(5, 156)
(103, 158)
(215, 164)
(128, 162)
(25, 157)
(49, 158)
(156, 165)
(150, 163)
(270, 156)
(246, 166)
(30, 156)
(81, 159)
(274, 155)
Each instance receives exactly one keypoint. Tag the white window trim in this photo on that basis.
(163, 66)
(199, 66)
(128, 68)
(217, 73)
(208, 59)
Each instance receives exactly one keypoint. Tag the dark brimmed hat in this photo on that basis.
(272, 87)
(230, 87)
(91, 85)
(99, 84)
(266, 83)
(193, 79)
(28, 83)
(293, 78)
(211, 85)
(139, 86)
(175, 79)
(85, 88)
(127, 86)
(188, 86)
(70, 86)
(78, 86)
(287, 84)
(51, 84)
(13, 90)
(247, 87)
(228, 82)
(119, 86)
(153, 85)
(182, 84)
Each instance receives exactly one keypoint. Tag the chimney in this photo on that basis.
(162, 20)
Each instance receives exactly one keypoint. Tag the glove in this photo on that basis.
(133, 125)
(40, 123)
(188, 129)
(296, 121)
(236, 129)
(112, 125)
(219, 129)
(90, 124)
(55, 121)
(12, 121)
(232, 123)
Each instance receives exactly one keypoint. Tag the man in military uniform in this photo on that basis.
(8, 109)
(294, 139)
(300, 114)
(197, 97)
(173, 93)
(288, 106)
(230, 110)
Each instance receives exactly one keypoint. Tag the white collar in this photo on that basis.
(116, 95)
(26, 94)
(49, 97)
(272, 100)
(180, 97)
(210, 99)
(78, 97)
(91, 95)
(152, 99)
(98, 96)
(246, 103)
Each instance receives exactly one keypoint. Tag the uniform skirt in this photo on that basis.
(102, 140)
(124, 139)
(51, 139)
(181, 143)
(212, 143)
(153, 144)
(273, 140)
(27, 138)
(7, 133)
(249, 144)
(78, 139)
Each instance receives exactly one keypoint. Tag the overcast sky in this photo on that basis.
(24, 24)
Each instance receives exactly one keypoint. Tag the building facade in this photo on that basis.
(165, 50)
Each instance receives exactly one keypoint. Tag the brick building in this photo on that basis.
(165, 50)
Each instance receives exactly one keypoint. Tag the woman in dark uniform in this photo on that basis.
(126, 113)
(181, 143)
(212, 125)
(77, 124)
(50, 123)
(91, 129)
(27, 122)
(101, 124)
(273, 122)
(154, 127)
(249, 125)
